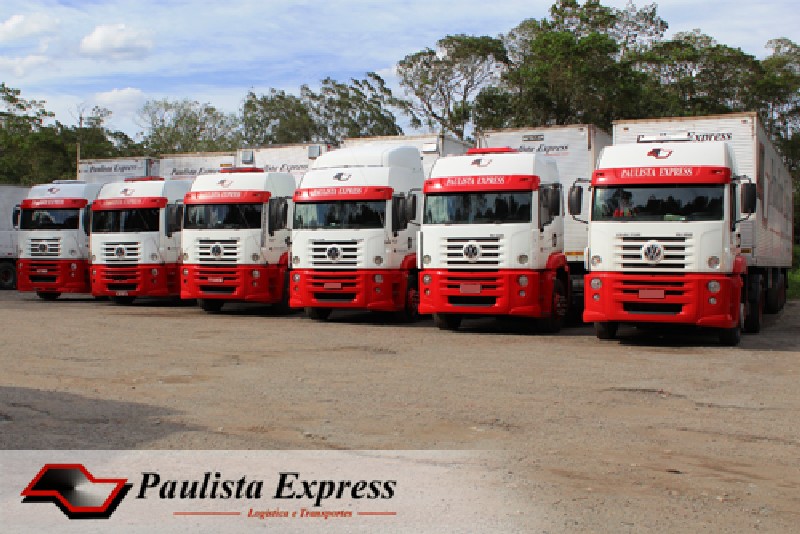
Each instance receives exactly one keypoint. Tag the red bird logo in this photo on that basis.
(660, 153)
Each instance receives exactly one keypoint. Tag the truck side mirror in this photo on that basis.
(749, 198)
(15, 217)
(575, 200)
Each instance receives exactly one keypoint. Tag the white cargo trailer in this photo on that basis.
(187, 166)
(105, 171)
(431, 146)
(11, 196)
(294, 159)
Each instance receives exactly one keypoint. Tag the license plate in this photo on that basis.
(332, 285)
(41, 271)
(651, 293)
(215, 280)
(470, 289)
(122, 293)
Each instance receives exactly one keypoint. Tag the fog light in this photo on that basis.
(378, 278)
(378, 260)
(154, 256)
(712, 300)
(713, 262)
(596, 261)
(713, 286)
(295, 260)
(596, 283)
(256, 274)
(255, 284)
(73, 266)
(377, 290)
(522, 258)
(154, 272)
(296, 277)
(427, 292)
(522, 293)
(426, 279)
(522, 280)
(186, 272)
(426, 259)
(254, 257)
(595, 297)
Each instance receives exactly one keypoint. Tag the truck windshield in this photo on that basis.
(354, 214)
(222, 216)
(135, 220)
(474, 208)
(49, 219)
(661, 203)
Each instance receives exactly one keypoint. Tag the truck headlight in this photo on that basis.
(185, 255)
(296, 276)
(256, 274)
(713, 286)
(73, 266)
(378, 260)
(426, 259)
(154, 256)
(254, 256)
(73, 252)
(596, 283)
(295, 260)
(522, 280)
(378, 278)
(426, 279)
(94, 258)
(522, 258)
(154, 272)
(713, 262)
(596, 261)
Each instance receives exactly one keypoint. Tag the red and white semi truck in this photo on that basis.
(575, 148)
(135, 244)
(54, 238)
(11, 197)
(236, 238)
(492, 239)
(691, 223)
(354, 232)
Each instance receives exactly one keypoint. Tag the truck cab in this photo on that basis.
(492, 239)
(54, 239)
(136, 232)
(354, 231)
(236, 238)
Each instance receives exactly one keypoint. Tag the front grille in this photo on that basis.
(121, 252)
(120, 278)
(678, 253)
(217, 281)
(218, 250)
(43, 272)
(341, 253)
(472, 301)
(45, 248)
(472, 252)
(334, 286)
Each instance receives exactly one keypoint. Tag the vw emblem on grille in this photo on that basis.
(42, 248)
(472, 252)
(119, 252)
(216, 250)
(652, 252)
(333, 254)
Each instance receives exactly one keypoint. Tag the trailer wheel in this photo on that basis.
(447, 321)
(122, 301)
(606, 330)
(318, 314)
(8, 276)
(211, 305)
(775, 294)
(559, 307)
(410, 311)
(755, 305)
(48, 295)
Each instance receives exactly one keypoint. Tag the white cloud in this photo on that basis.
(116, 41)
(121, 100)
(19, 26)
(20, 67)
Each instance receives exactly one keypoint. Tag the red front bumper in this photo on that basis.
(681, 299)
(143, 280)
(348, 289)
(486, 293)
(236, 282)
(53, 276)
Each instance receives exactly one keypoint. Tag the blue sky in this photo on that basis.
(119, 54)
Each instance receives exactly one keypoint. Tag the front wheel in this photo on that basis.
(8, 276)
(122, 301)
(606, 330)
(410, 311)
(755, 305)
(558, 309)
(211, 305)
(48, 295)
(318, 314)
(730, 337)
(447, 321)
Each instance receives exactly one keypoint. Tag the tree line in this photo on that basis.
(582, 63)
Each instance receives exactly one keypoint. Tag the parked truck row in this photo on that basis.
(677, 221)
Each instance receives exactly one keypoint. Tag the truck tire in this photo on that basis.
(447, 321)
(730, 337)
(8, 276)
(606, 330)
(410, 311)
(559, 307)
(48, 295)
(775, 295)
(282, 306)
(318, 314)
(122, 301)
(211, 305)
(755, 305)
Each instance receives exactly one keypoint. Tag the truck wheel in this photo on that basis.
(755, 305)
(211, 305)
(282, 306)
(447, 321)
(318, 314)
(730, 337)
(47, 295)
(122, 301)
(559, 307)
(8, 276)
(410, 311)
(774, 297)
(606, 330)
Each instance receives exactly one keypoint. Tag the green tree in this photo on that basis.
(278, 118)
(187, 126)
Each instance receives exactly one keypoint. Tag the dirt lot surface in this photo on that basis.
(651, 432)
